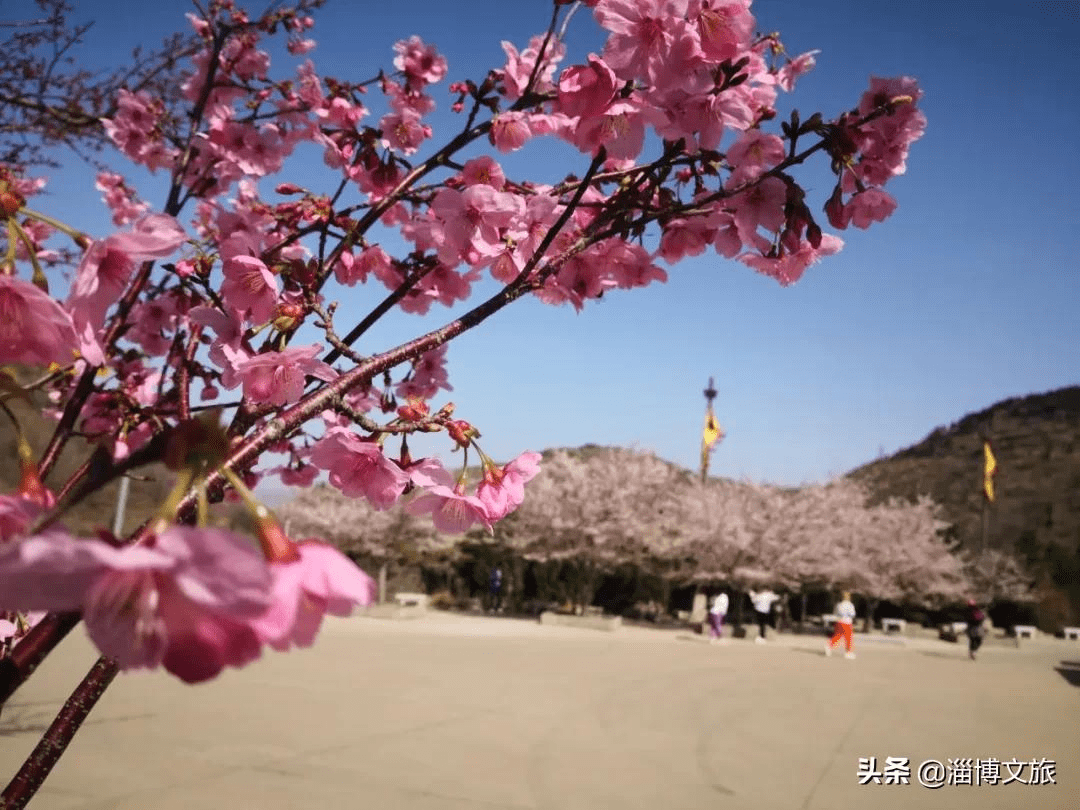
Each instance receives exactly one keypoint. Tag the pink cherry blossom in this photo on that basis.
(225, 350)
(320, 581)
(181, 601)
(503, 490)
(642, 33)
(724, 27)
(250, 287)
(277, 378)
(627, 264)
(34, 329)
(472, 219)
(107, 267)
(685, 237)
(727, 242)
(349, 271)
(420, 63)
(509, 131)
(620, 129)
(303, 475)
(519, 66)
(358, 467)
(428, 376)
(16, 515)
(154, 321)
(121, 199)
(586, 90)
(760, 205)
(753, 153)
(483, 170)
(869, 206)
(451, 510)
(884, 142)
(789, 268)
(134, 129)
(404, 131)
(799, 66)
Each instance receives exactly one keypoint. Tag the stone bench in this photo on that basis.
(419, 600)
(890, 625)
(1072, 633)
(1025, 631)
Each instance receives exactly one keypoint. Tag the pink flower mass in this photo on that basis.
(278, 378)
(241, 265)
(34, 329)
(503, 490)
(106, 269)
(182, 601)
(321, 580)
(358, 467)
(451, 509)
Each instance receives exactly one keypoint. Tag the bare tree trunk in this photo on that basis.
(802, 612)
(871, 609)
(382, 583)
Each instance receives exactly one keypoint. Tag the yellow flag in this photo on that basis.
(989, 471)
(712, 432)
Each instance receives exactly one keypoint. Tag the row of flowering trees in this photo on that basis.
(605, 506)
(600, 508)
(230, 281)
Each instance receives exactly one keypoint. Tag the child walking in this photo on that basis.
(845, 612)
(716, 616)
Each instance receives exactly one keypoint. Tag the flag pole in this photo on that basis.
(709, 435)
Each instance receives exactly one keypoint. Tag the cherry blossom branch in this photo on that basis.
(248, 452)
(56, 738)
(327, 325)
(397, 426)
(535, 72)
(184, 381)
(32, 649)
(381, 309)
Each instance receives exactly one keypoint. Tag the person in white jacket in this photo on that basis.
(716, 616)
(763, 602)
(845, 618)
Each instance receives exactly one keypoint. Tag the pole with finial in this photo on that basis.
(711, 433)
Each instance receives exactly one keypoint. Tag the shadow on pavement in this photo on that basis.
(1070, 671)
(15, 722)
(820, 653)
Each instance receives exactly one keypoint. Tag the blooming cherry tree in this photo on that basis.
(596, 507)
(229, 283)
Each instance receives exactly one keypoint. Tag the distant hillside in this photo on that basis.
(96, 510)
(1036, 441)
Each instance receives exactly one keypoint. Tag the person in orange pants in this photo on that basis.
(845, 612)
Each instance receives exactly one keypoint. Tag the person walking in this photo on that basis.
(716, 616)
(845, 618)
(763, 602)
(975, 628)
(495, 589)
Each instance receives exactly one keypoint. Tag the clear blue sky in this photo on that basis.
(969, 294)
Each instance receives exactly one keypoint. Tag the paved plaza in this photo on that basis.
(469, 713)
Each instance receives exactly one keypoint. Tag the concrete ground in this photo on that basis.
(474, 713)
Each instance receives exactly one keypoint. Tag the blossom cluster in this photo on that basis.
(235, 293)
